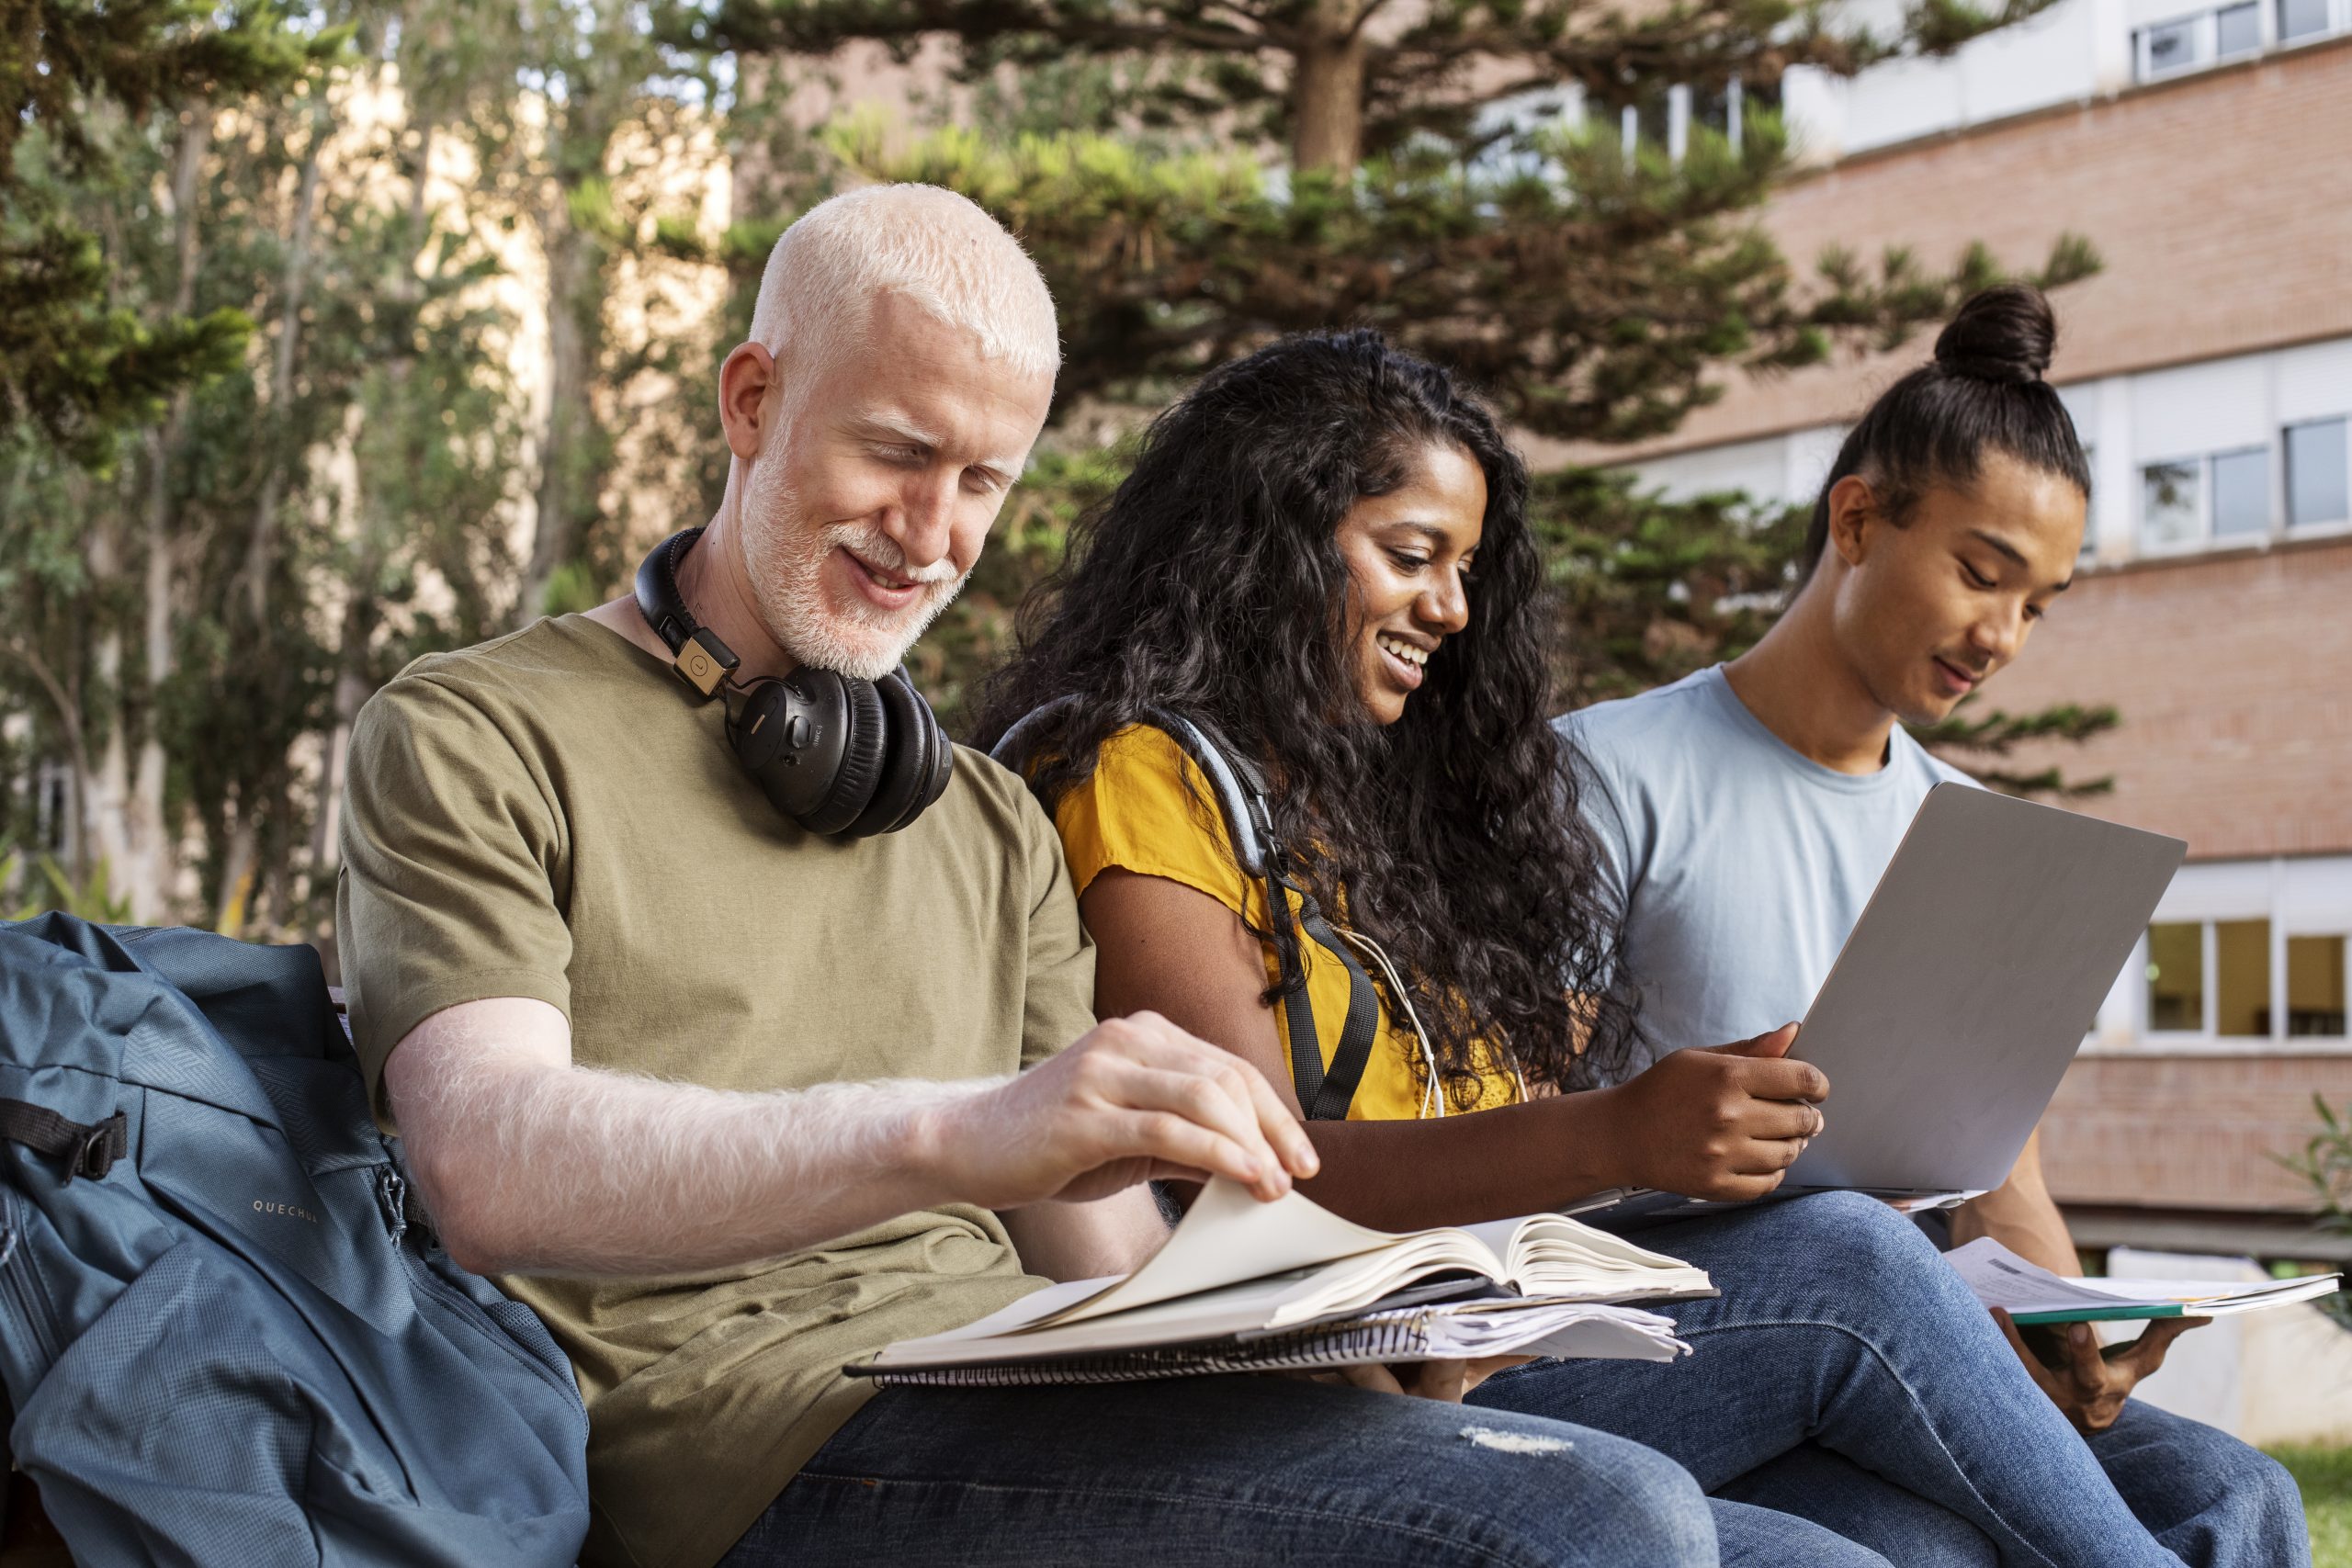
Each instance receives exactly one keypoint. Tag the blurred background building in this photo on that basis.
(2209, 366)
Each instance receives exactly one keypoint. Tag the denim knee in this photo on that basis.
(1637, 1507)
(2257, 1488)
(1851, 1230)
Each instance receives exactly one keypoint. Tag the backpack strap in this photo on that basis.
(1324, 1095)
(87, 1150)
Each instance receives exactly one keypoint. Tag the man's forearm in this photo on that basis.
(2022, 1216)
(544, 1167)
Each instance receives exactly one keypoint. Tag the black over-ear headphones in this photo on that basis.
(840, 756)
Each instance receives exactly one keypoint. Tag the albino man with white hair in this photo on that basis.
(743, 1036)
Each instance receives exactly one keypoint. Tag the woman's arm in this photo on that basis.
(1718, 1123)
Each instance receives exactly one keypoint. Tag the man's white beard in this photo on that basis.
(786, 561)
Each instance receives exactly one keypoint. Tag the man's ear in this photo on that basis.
(1853, 507)
(746, 385)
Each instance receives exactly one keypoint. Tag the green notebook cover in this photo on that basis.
(2119, 1312)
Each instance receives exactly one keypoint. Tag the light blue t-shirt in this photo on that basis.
(1741, 865)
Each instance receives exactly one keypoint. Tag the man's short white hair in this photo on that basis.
(938, 249)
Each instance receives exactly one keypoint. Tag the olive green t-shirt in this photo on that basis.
(552, 815)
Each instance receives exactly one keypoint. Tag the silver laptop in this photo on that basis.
(1975, 971)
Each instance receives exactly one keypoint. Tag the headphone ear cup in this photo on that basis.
(912, 772)
(865, 734)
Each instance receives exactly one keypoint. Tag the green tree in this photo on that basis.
(178, 624)
(1336, 80)
(1194, 181)
(79, 362)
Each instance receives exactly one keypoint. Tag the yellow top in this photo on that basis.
(1147, 808)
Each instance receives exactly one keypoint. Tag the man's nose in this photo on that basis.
(1999, 633)
(922, 524)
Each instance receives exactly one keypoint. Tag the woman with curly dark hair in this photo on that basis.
(1287, 704)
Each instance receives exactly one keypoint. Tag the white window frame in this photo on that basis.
(2207, 953)
(2202, 539)
(2205, 539)
(2265, 30)
(2273, 464)
(2208, 1031)
(2204, 40)
(2293, 529)
(2339, 19)
(2305, 896)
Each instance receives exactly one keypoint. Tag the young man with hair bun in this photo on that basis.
(1746, 812)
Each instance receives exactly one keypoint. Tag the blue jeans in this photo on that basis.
(2211, 1500)
(1840, 1325)
(1204, 1472)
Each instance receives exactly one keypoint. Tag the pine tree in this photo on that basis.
(1195, 180)
(1339, 80)
(79, 363)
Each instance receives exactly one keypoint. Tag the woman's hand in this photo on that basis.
(1725, 1123)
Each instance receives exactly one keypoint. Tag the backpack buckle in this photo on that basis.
(101, 1145)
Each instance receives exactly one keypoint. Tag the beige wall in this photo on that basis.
(2191, 1132)
(2233, 672)
(2221, 203)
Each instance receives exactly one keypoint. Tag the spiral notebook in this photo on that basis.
(1247, 1286)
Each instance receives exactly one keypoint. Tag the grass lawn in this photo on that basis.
(2325, 1476)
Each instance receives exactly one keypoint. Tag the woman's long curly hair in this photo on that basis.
(1211, 583)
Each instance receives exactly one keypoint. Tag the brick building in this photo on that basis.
(2209, 366)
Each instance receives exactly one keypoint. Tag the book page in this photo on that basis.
(1554, 1255)
(1229, 1237)
(2001, 1278)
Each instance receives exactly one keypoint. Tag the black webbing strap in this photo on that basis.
(1330, 1097)
(1324, 1094)
(87, 1150)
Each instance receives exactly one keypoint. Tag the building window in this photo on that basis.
(2214, 979)
(2241, 979)
(2168, 48)
(2301, 18)
(2177, 978)
(2319, 474)
(2190, 500)
(2316, 987)
(2242, 493)
(2237, 30)
(2171, 506)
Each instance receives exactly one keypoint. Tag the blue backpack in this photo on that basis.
(224, 1335)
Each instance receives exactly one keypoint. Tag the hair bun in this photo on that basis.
(2003, 333)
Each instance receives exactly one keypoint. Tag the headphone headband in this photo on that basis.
(700, 658)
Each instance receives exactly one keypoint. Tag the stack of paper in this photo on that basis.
(1243, 1284)
(2033, 1294)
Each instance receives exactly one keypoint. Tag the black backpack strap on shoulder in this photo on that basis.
(88, 1150)
(1324, 1093)
(1240, 789)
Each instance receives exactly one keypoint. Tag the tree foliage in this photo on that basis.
(1337, 80)
(80, 361)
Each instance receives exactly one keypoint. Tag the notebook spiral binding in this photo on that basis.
(1385, 1337)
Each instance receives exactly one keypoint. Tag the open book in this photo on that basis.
(2033, 1294)
(1243, 1284)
